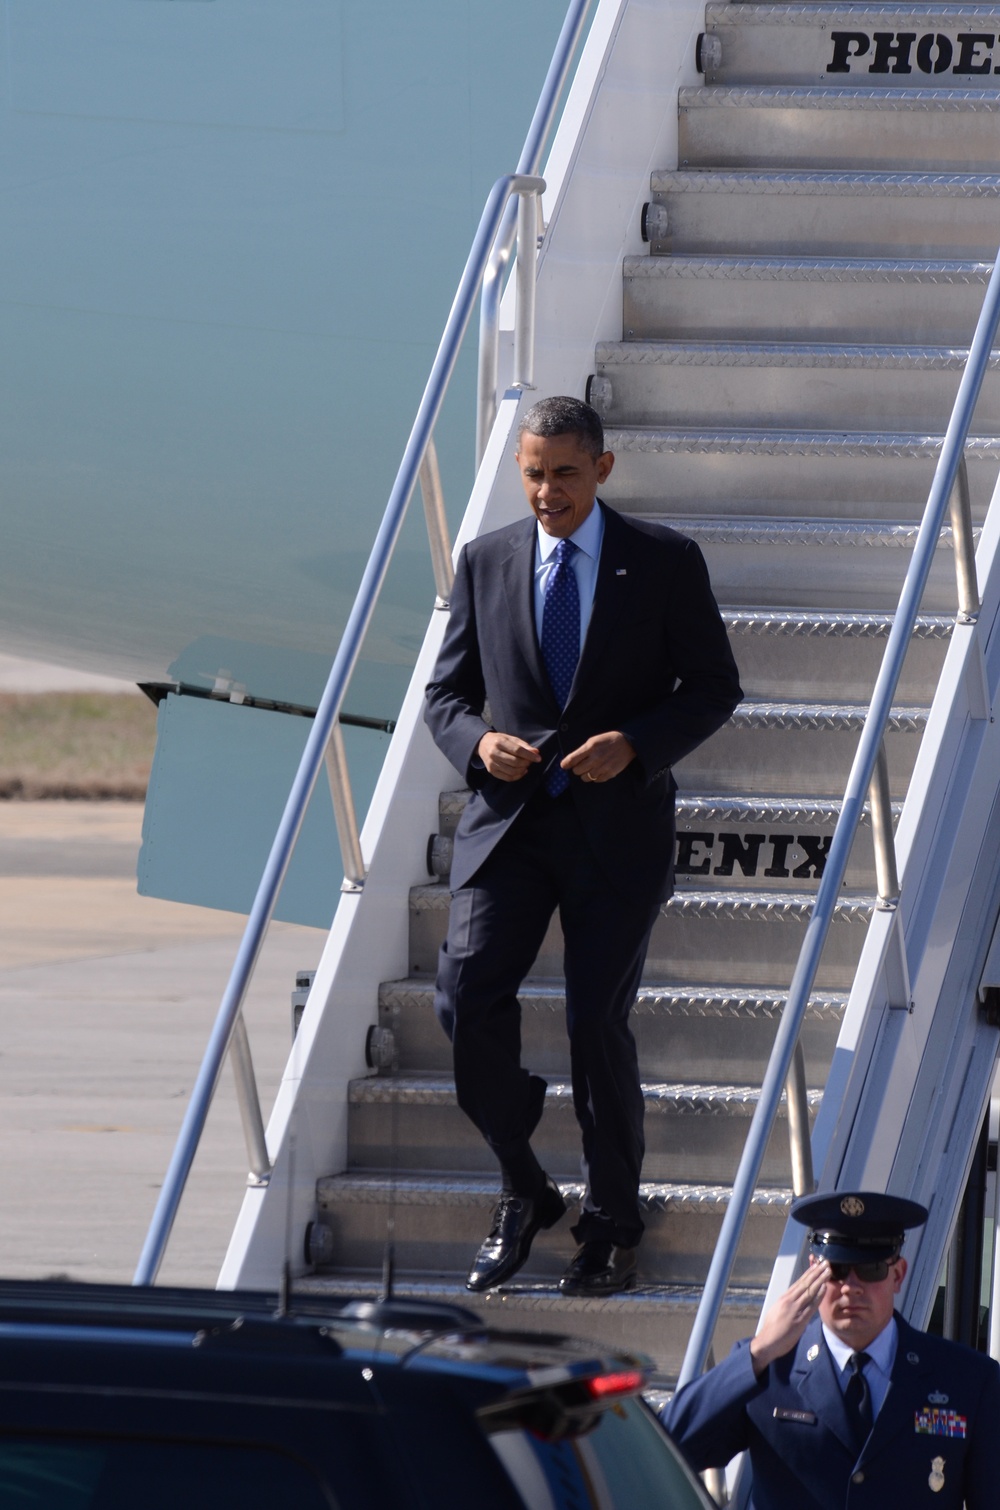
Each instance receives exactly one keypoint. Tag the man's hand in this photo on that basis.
(506, 757)
(601, 758)
(789, 1316)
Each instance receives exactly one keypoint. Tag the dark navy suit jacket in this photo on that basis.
(793, 1422)
(655, 664)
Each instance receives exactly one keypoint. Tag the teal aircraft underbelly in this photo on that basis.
(230, 237)
(231, 232)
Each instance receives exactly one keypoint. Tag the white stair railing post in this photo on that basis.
(344, 812)
(960, 508)
(799, 1139)
(249, 1104)
(886, 877)
(437, 525)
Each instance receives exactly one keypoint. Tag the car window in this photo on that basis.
(109, 1474)
(625, 1462)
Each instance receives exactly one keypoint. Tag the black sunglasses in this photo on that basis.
(869, 1274)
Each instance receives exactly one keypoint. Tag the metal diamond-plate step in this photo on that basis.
(825, 298)
(651, 1319)
(948, 46)
(693, 1132)
(798, 384)
(787, 126)
(778, 845)
(818, 563)
(830, 214)
(763, 930)
(769, 748)
(696, 1032)
(726, 840)
(792, 653)
(439, 1222)
(851, 475)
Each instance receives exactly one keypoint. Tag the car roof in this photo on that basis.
(412, 1334)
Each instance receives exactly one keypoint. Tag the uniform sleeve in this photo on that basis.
(707, 1418)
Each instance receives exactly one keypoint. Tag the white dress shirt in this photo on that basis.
(878, 1372)
(587, 538)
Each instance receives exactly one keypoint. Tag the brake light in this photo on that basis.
(629, 1383)
(563, 1407)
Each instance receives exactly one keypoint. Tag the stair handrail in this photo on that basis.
(949, 486)
(527, 188)
(529, 162)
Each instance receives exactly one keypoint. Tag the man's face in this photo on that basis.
(857, 1310)
(560, 480)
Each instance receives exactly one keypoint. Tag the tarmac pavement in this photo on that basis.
(106, 1004)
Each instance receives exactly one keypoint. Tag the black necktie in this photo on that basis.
(858, 1399)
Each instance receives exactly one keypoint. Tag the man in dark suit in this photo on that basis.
(584, 657)
(851, 1408)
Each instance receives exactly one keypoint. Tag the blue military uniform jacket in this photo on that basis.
(935, 1442)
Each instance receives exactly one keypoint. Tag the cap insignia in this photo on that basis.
(852, 1205)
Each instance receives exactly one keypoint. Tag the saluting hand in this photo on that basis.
(789, 1316)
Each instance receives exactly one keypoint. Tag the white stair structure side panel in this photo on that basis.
(620, 122)
(307, 1131)
(911, 1074)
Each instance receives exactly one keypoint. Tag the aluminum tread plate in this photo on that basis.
(786, 442)
(835, 181)
(846, 270)
(853, 97)
(856, 16)
(783, 354)
(692, 1001)
(449, 1190)
(676, 1098)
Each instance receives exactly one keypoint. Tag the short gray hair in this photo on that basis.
(563, 415)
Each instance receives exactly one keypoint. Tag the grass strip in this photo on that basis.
(84, 745)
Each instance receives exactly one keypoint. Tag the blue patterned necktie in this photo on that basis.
(561, 639)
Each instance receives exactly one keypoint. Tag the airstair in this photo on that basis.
(775, 354)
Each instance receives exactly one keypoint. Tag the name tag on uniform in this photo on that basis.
(939, 1423)
(803, 1417)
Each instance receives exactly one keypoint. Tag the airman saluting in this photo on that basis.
(839, 1401)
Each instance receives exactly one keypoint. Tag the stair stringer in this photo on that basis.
(307, 1130)
(911, 1075)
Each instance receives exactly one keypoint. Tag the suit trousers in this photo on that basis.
(542, 864)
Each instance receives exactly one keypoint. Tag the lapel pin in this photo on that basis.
(936, 1477)
(913, 1357)
(813, 1353)
(620, 571)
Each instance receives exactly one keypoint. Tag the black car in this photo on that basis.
(115, 1398)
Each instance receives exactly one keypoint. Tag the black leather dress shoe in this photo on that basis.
(599, 1268)
(515, 1222)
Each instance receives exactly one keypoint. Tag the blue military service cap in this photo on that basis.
(857, 1226)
